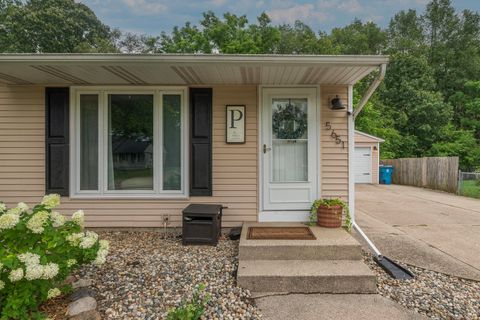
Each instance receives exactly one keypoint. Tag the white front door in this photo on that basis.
(289, 148)
(362, 165)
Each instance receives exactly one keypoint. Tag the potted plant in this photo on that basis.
(328, 213)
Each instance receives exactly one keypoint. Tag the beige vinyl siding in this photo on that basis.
(334, 158)
(22, 164)
(364, 141)
(235, 167)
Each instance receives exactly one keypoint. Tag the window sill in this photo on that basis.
(129, 197)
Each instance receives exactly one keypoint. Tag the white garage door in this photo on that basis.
(363, 165)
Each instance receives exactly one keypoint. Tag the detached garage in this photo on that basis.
(366, 161)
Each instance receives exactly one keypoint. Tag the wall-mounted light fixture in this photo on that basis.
(336, 104)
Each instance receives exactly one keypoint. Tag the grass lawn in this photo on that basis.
(470, 188)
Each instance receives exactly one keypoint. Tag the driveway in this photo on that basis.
(429, 229)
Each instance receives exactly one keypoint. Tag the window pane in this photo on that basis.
(289, 140)
(88, 142)
(130, 145)
(172, 143)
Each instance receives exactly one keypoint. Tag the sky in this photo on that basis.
(154, 16)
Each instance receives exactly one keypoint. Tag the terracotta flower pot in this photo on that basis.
(329, 217)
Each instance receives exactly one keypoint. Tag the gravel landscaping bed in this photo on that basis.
(434, 294)
(145, 276)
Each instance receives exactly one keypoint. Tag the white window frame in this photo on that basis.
(103, 192)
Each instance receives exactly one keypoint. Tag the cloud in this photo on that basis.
(351, 6)
(217, 3)
(145, 7)
(303, 12)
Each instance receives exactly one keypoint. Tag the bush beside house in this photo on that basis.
(39, 248)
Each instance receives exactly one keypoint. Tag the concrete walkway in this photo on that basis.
(332, 306)
(433, 230)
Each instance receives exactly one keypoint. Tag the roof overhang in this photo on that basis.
(184, 69)
(376, 139)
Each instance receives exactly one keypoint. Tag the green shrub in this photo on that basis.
(190, 310)
(39, 248)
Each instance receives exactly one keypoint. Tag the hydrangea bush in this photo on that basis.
(39, 248)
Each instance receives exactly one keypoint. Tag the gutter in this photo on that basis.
(373, 86)
(352, 114)
(387, 264)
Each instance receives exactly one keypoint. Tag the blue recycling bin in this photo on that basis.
(386, 174)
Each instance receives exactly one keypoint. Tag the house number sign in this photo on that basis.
(235, 131)
(334, 135)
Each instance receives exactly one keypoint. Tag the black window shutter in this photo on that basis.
(57, 141)
(201, 141)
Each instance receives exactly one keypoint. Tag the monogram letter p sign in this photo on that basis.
(235, 132)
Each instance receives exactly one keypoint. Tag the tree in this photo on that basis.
(187, 39)
(420, 112)
(52, 26)
(359, 38)
(454, 45)
(405, 34)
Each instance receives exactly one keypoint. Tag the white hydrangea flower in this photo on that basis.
(51, 201)
(101, 258)
(89, 240)
(78, 217)
(58, 219)
(17, 211)
(52, 293)
(102, 253)
(50, 271)
(71, 262)
(29, 258)
(34, 272)
(8, 221)
(75, 238)
(16, 275)
(104, 244)
(3, 207)
(2, 285)
(22, 206)
(37, 221)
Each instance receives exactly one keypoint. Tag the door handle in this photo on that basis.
(265, 149)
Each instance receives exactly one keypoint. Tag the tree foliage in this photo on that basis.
(429, 103)
(40, 26)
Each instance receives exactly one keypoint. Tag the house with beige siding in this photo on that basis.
(134, 139)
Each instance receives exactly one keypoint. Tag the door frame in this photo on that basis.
(287, 215)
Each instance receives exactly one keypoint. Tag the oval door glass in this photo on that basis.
(289, 140)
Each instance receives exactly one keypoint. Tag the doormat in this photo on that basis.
(280, 233)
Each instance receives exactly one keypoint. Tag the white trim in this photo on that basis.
(351, 154)
(369, 136)
(65, 59)
(283, 216)
(103, 192)
(378, 165)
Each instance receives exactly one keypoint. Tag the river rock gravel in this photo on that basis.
(145, 275)
(433, 294)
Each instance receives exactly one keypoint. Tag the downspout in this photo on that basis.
(352, 114)
(373, 86)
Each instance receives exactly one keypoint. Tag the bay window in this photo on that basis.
(128, 142)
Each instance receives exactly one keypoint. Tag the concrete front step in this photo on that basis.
(331, 244)
(306, 276)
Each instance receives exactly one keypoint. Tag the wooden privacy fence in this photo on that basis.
(438, 173)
